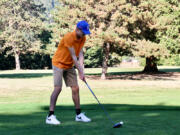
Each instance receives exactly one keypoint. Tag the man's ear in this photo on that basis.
(77, 29)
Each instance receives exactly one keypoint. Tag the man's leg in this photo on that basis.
(76, 98)
(51, 118)
(54, 97)
(71, 81)
(70, 78)
(57, 74)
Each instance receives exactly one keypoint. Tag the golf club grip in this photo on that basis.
(99, 103)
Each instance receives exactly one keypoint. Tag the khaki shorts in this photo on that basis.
(69, 75)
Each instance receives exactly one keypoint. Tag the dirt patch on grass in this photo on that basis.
(170, 80)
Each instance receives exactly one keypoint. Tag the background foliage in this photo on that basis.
(141, 28)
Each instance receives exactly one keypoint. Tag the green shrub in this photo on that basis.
(174, 60)
(93, 57)
(27, 61)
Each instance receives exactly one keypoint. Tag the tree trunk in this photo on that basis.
(18, 67)
(106, 49)
(52, 2)
(151, 66)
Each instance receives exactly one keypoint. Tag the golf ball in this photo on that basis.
(121, 122)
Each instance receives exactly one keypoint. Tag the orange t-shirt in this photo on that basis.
(62, 57)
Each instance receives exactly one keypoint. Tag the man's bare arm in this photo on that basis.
(76, 62)
(81, 59)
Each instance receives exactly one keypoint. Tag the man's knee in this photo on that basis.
(75, 89)
(57, 88)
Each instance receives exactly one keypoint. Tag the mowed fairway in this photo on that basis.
(147, 104)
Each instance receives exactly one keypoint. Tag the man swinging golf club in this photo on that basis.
(67, 54)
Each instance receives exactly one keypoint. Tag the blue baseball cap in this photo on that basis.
(84, 26)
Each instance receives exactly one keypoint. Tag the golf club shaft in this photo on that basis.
(99, 103)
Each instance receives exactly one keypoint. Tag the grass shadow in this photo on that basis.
(134, 75)
(25, 75)
(138, 120)
(119, 107)
(164, 74)
(116, 73)
(170, 69)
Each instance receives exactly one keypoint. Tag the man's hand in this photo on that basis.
(81, 76)
(79, 65)
(81, 73)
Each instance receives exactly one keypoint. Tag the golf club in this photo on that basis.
(115, 125)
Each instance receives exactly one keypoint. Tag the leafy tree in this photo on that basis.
(22, 23)
(137, 27)
(169, 27)
(104, 30)
(156, 31)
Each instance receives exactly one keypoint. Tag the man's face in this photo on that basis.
(79, 33)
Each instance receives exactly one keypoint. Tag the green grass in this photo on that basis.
(147, 106)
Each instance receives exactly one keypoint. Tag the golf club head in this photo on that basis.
(118, 125)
